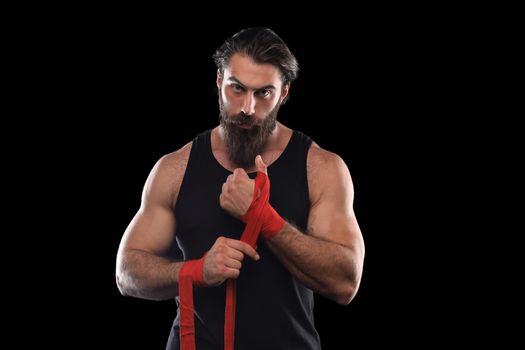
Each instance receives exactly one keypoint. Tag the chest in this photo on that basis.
(200, 219)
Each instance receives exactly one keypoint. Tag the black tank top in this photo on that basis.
(274, 310)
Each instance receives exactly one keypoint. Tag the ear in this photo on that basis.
(284, 91)
(219, 79)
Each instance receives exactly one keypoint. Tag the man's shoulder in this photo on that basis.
(174, 164)
(170, 168)
(322, 159)
(325, 170)
(176, 159)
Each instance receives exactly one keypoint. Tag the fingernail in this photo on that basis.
(257, 257)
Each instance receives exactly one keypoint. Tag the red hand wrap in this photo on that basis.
(272, 222)
(260, 218)
(191, 273)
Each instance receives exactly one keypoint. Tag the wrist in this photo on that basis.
(272, 223)
(194, 270)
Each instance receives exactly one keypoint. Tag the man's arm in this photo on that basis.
(329, 259)
(143, 268)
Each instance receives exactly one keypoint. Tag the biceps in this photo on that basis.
(151, 230)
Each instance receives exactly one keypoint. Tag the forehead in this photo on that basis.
(244, 69)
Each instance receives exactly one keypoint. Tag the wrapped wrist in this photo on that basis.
(194, 271)
(272, 224)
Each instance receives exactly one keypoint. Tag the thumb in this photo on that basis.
(260, 165)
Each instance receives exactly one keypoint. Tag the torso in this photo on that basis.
(290, 309)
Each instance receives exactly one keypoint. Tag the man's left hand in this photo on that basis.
(237, 191)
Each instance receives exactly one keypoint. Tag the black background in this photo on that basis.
(132, 90)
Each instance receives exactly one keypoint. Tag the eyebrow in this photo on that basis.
(266, 87)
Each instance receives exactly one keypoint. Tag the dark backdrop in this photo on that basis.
(133, 91)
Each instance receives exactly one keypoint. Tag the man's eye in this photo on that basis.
(265, 92)
(236, 88)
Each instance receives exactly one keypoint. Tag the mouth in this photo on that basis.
(243, 126)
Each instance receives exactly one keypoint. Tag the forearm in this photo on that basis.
(144, 275)
(325, 267)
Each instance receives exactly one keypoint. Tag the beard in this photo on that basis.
(243, 145)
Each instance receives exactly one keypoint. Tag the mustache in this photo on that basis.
(243, 118)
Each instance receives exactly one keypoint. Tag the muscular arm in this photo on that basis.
(329, 259)
(143, 268)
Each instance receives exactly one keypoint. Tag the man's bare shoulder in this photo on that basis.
(323, 167)
(176, 162)
(320, 159)
(171, 167)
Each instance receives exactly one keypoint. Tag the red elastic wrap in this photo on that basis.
(260, 209)
(260, 218)
(191, 272)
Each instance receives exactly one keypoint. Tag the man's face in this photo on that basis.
(250, 95)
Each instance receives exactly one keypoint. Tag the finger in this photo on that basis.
(244, 247)
(233, 264)
(232, 273)
(239, 173)
(235, 254)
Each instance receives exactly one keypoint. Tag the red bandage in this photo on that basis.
(260, 218)
(191, 273)
(272, 222)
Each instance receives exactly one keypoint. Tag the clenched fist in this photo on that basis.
(237, 192)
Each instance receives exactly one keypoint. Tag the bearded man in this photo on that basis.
(212, 198)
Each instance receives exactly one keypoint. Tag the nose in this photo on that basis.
(248, 106)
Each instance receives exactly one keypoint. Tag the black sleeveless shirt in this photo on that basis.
(274, 310)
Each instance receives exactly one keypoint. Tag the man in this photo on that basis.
(202, 197)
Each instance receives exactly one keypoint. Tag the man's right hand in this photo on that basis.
(224, 259)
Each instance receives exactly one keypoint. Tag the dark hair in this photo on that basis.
(263, 46)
